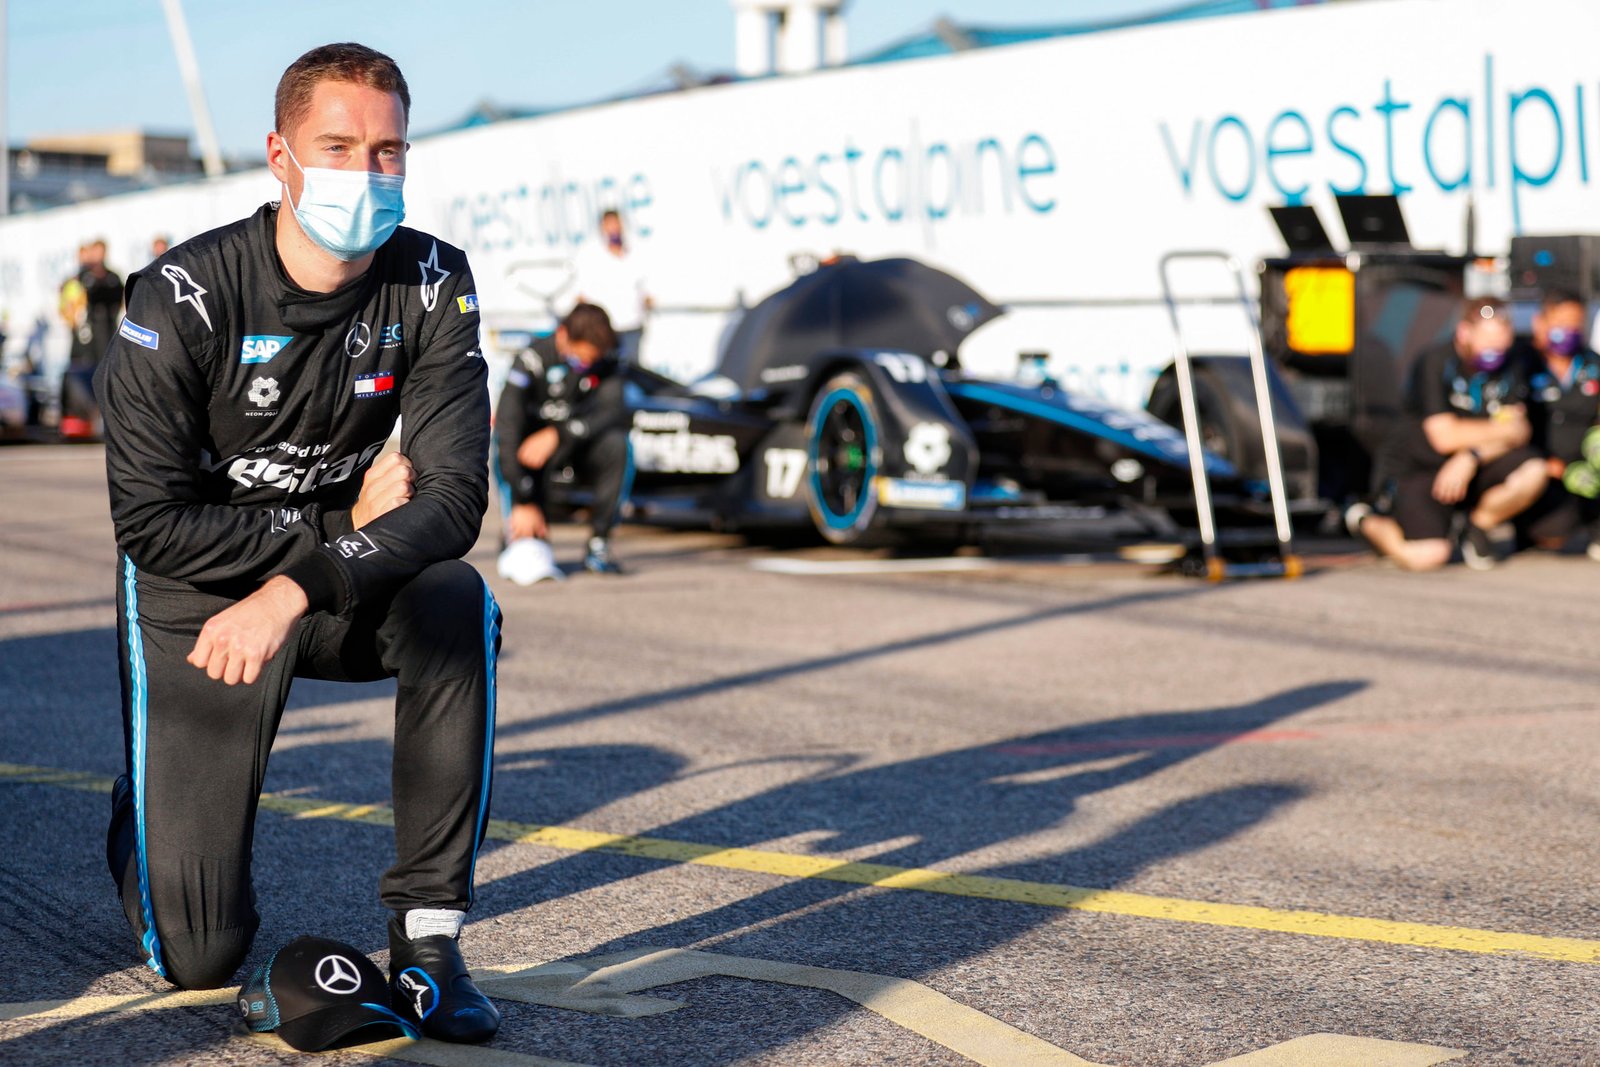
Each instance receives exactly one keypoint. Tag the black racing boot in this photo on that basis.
(429, 984)
(598, 559)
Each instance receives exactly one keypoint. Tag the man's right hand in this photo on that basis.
(1450, 485)
(527, 520)
(386, 487)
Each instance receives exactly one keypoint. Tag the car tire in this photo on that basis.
(844, 455)
(1219, 433)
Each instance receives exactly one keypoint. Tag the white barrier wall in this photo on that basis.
(1059, 169)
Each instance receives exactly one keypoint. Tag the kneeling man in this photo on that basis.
(247, 396)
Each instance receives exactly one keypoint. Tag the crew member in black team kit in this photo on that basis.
(563, 405)
(249, 391)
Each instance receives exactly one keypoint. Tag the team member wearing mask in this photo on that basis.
(1564, 384)
(1461, 443)
(249, 391)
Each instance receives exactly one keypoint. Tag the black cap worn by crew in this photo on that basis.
(315, 992)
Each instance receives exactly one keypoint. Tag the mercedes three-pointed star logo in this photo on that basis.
(337, 975)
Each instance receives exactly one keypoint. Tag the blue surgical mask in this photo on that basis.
(1563, 342)
(1489, 359)
(348, 213)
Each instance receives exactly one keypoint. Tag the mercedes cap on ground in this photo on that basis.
(315, 992)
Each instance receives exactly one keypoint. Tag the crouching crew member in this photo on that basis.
(563, 408)
(1460, 445)
(1564, 385)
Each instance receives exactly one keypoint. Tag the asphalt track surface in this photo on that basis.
(1039, 812)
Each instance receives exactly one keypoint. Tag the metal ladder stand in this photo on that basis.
(1287, 565)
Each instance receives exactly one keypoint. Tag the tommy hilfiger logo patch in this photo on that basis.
(374, 384)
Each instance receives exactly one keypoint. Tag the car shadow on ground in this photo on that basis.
(925, 812)
(766, 675)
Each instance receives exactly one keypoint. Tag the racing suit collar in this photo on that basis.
(307, 311)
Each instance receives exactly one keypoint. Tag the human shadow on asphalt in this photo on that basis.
(933, 811)
(765, 675)
(62, 703)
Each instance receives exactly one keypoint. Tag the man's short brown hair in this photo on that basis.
(347, 62)
(589, 323)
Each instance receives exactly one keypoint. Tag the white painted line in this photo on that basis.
(1153, 554)
(810, 567)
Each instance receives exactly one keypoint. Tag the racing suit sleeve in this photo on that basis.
(154, 393)
(516, 416)
(444, 420)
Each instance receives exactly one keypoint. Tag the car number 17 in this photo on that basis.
(785, 468)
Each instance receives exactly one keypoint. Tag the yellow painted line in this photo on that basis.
(1337, 1050)
(1043, 894)
(610, 984)
(78, 1007)
(428, 1051)
(980, 1038)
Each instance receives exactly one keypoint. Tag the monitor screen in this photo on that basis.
(1321, 313)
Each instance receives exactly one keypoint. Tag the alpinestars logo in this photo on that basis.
(264, 392)
(355, 545)
(433, 276)
(185, 290)
(420, 992)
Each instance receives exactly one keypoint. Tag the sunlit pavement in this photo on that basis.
(1045, 811)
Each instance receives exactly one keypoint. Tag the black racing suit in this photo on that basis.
(241, 413)
(588, 409)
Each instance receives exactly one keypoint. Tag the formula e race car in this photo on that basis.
(839, 402)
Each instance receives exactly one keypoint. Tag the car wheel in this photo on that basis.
(843, 458)
(1218, 433)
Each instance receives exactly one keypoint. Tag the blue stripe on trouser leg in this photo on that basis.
(627, 479)
(491, 650)
(138, 713)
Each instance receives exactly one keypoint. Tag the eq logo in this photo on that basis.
(390, 336)
(261, 347)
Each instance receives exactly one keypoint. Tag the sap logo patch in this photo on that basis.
(374, 384)
(132, 331)
(391, 336)
(261, 347)
(467, 303)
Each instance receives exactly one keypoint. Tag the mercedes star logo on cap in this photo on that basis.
(338, 975)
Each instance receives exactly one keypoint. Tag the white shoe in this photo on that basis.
(1354, 516)
(529, 561)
